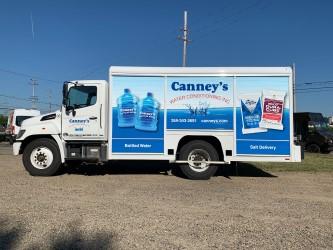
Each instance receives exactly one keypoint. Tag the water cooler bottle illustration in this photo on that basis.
(127, 108)
(147, 113)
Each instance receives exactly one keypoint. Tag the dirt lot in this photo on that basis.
(128, 206)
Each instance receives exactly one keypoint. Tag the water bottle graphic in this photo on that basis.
(127, 108)
(147, 114)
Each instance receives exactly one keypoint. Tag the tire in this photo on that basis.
(198, 150)
(41, 157)
(313, 148)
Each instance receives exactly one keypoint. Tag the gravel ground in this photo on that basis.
(138, 206)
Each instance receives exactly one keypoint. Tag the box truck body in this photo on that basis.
(197, 117)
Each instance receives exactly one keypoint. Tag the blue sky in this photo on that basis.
(81, 39)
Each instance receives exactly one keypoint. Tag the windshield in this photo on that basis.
(20, 119)
(318, 125)
(322, 125)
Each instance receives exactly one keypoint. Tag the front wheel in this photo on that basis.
(197, 153)
(41, 157)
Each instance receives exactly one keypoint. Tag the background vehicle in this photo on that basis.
(15, 119)
(195, 117)
(2, 132)
(315, 134)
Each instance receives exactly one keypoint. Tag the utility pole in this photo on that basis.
(33, 98)
(185, 38)
(294, 86)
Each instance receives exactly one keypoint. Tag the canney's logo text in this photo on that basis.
(211, 87)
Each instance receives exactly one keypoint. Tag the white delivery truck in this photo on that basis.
(15, 119)
(198, 117)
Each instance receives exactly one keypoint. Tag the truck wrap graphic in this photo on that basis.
(137, 114)
(127, 105)
(264, 129)
(200, 103)
(261, 107)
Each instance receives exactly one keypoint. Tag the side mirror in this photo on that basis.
(70, 109)
(65, 94)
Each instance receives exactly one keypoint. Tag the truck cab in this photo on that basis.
(84, 112)
(76, 132)
(313, 131)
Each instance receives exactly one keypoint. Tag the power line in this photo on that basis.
(33, 98)
(317, 82)
(14, 97)
(11, 107)
(27, 100)
(50, 98)
(315, 88)
(94, 70)
(27, 75)
(7, 109)
(315, 91)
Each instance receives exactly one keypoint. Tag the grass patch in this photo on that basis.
(311, 162)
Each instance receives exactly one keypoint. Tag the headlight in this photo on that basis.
(20, 134)
(330, 141)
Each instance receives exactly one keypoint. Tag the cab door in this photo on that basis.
(82, 113)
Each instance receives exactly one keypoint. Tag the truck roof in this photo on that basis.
(118, 70)
(309, 116)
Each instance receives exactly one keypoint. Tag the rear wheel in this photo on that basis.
(41, 157)
(313, 148)
(197, 153)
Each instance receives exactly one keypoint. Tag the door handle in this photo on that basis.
(93, 118)
(100, 115)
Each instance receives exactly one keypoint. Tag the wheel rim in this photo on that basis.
(41, 157)
(198, 155)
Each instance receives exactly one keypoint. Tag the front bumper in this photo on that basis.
(298, 155)
(16, 148)
(8, 136)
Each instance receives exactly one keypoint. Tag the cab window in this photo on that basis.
(82, 96)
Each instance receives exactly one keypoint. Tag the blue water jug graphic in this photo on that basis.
(147, 114)
(127, 108)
